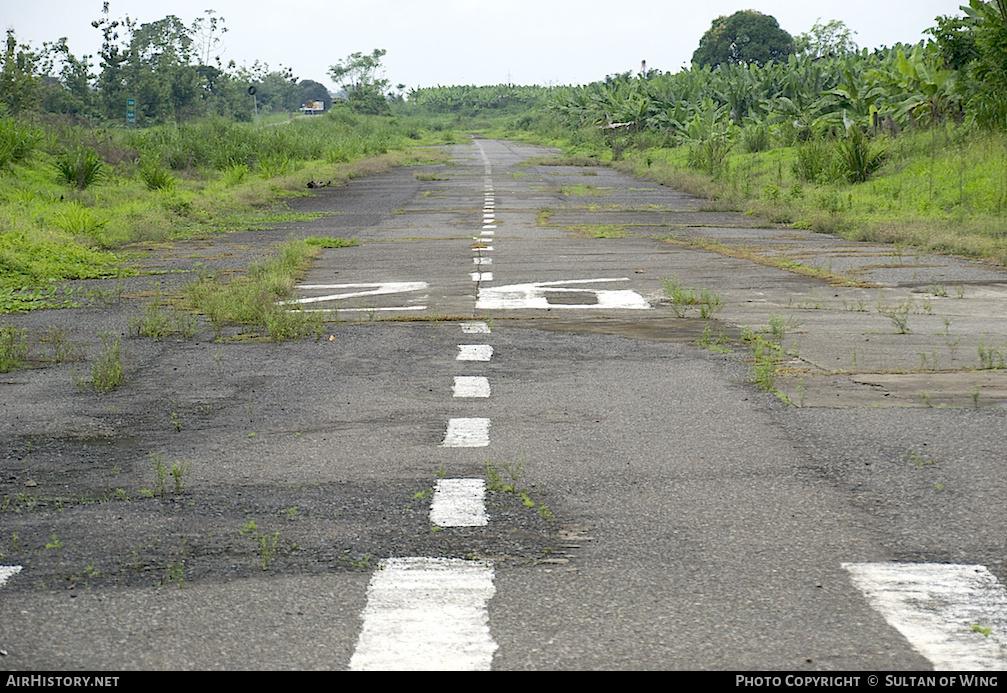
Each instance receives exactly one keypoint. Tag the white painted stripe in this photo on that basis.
(471, 386)
(7, 572)
(474, 352)
(459, 503)
(376, 289)
(427, 614)
(482, 260)
(362, 310)
(467, 433)
(534, 296)
(488, 233)
(936, 605)
(475, 328)
(481, 276)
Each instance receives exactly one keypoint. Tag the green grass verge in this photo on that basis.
(943, 191)
(165, 184)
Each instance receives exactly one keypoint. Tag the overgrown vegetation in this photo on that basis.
(257, 298)
(72, 216)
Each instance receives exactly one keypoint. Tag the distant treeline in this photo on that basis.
(170, 69)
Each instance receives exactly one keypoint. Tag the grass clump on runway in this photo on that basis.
(258, 298)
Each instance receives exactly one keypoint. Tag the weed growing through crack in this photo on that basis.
(919, 460)
(365, 562)
(56, 545)
(990, 358)
(174, 572)
(683, 298)
(13, 348)
(153, 321)
(898, 315)
(267, 548)
(766, 359)
(179, 473)
(160, 474)
(60, 347)
(496, 482)
(714, 343)
(107, 370)
(709, 303)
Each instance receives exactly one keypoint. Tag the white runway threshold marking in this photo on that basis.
(954, 615)
(467, 433)
(427, 614)
(7, 572)
(471, 386)
(459, 503)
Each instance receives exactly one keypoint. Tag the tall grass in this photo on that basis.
(943, 189)
(70, 197)
(257, 298)
(79, 165)
(220, 145)
(17, 141)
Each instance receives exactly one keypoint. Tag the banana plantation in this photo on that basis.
(959, 76)
(470, 100)
(798, 100)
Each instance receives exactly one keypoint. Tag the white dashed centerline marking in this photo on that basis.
(459, 503)
(471, 386)
(427, 614)
(474, 352)
(481, 276)
(467, 433)
(954, 615)
(430, 614)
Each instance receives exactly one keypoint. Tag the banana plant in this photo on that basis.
(927, 89)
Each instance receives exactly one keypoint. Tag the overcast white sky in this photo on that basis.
(447, 42)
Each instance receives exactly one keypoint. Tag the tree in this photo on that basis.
(70, 92)
(825, 40)
(360, 76)
(747, 37)
(19, 81)
(276, 91)
(113, 55)
(314, 91)
(989, 70)
(955, 41)
(158, 71)
(206, 32)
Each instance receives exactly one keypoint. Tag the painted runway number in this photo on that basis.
(560, 294)
(344, 292)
